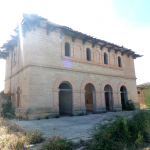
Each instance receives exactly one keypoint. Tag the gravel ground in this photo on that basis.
(73, 128)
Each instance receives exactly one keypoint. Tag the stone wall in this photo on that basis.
(39, 66)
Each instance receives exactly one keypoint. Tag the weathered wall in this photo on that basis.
(40, 66)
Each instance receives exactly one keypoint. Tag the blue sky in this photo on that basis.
(123, 22)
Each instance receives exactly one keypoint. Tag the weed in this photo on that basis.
(7, 110)
(120, 133)
(47, 117)
(57, 116)
(71, 115)
(81, 114)
(130, 105)
(56, 143)
(15, 138)
(39, 118)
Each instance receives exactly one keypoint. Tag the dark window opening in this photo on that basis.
(119, 62)
(105, 58)
(88, 54)
(138, 92)
(67, 49)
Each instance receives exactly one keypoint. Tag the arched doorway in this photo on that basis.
(108, 97)
(18, 98)
(89, 97)
(65, 98)
(123, 93)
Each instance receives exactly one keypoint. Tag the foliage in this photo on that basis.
(147, 96)
(57, 116)
(81, 114)
(130, 105)
(122, 133)
(71, 115)
(15, 138)
(2, 92)
(7, 110)
(58, 144)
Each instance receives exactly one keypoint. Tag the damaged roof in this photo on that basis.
(32, 21)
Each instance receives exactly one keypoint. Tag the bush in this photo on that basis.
(7, 110)
(57, 116)
(15, 138)
(2, 92)
(122, 133)
(147, 97)
(56, 143)
(130, 105)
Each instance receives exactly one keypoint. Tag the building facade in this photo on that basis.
(52, 69)
(142, 91)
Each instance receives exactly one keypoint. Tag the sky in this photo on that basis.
(123, 22)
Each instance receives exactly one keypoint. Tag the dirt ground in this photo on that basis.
(73, 128)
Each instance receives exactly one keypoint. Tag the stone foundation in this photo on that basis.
(118, 107)
(79, 109)
(37, 113)
(101, 108)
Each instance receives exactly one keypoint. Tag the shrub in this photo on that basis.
(57, 116)
(122, 133)
(56, 143)
(2, 92)
(147, 97)
(130, 105)
(71, 115)
(81, 114)
(15, 138)
(7, 110)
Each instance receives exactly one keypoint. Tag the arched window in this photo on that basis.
(105, 58)
(119, 62)
(88, 54)
(67, 49)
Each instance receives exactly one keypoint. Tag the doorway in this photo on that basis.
(65, 98)
(89, 97)
(108, 98)
(123, 93)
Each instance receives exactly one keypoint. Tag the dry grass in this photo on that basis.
(12, 137)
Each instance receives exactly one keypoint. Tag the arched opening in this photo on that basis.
(108, 97)
(18, 97)
(119, 62)
(67, 49)
(89, 97)
(88, 54)
(65, 98)
(105, 58)
(124, 98)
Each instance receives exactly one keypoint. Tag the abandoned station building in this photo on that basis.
(52, 69)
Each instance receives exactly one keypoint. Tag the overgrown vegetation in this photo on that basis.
(130, 105)
(15, 138)
(7, 110)
(147, 97)
(58, 143)
(119, 132)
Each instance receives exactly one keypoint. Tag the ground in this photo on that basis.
(73, 128)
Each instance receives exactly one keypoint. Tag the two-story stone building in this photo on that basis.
(52, 69)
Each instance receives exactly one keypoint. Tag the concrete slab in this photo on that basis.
(73, 128)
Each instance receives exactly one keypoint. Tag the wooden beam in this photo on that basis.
(109, 48)
(74, 37)
(94, 43)
(116, 51)
(84, 40)
(102, 46)
(123, 52)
